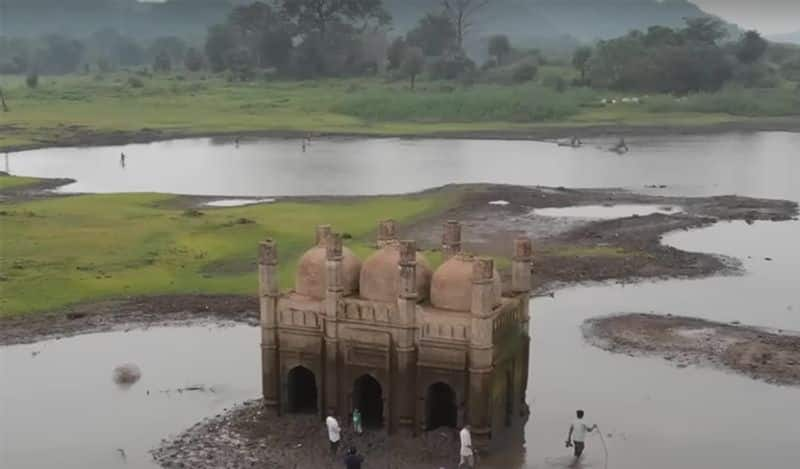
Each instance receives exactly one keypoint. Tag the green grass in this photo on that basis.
(11, 182)
(196, 104)
(63, 251)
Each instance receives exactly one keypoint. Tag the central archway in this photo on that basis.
(302, 390)
(368, 398)
(441, 406)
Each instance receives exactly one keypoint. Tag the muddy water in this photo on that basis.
(747, 163)
(59, 407)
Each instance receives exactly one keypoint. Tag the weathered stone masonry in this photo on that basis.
(413, 349)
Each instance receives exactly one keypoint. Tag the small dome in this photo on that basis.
(451, 286)
(310, 276)
(380, 276)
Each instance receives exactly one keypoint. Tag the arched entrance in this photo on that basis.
(368, 398)
(441, 406)
(302, 391)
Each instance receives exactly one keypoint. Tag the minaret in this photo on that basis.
(406, 337)
(451, 239)
(268, 293)
(387, 232)
(323, 232)
(333, 294)
(481, 351)
(521, 265)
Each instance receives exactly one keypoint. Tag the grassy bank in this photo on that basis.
(61, 108)
(61, 251)
(13, 182)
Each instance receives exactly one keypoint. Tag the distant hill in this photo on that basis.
(793, 38)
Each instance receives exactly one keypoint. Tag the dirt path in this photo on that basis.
(771, 356)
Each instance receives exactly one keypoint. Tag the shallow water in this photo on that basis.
(60, 407)
(747, 163)
(237, 202)
(605, 211)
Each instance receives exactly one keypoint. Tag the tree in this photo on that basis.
(580, 60)
(193, 60)
(219, 42)
(318, 15)
(162, 62)
(751, 47)
(461, 13)
(499, 47)
(60, 55)
(413, 63)
(396, 53)
(174, 48)
(434, 34)
(32, 80)
(264, 32)
(704, 29)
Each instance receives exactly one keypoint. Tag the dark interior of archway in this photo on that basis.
(509, 398)
(441, 405)
(302, 391)
(368, 398)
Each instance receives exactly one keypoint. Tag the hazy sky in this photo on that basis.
(768, 16)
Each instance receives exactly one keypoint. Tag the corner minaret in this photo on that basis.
(387, 232)
(451, 239)
(333, 294)
(480, 350)
(406, 335)
(268, 292)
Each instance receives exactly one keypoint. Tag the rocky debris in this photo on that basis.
(248, 436)
(768, 356)
(127, 375)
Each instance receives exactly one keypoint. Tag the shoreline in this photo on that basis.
(84, 137)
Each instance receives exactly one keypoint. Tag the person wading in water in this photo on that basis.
(577, 434)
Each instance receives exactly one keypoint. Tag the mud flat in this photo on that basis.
(770, 356)
(247, 436)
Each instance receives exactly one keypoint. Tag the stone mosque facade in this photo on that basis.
(413, 349)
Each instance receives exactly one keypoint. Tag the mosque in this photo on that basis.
(413, 349)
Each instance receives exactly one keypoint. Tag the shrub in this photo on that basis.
(524, 72)
(450, 68)
(555, 82)
(135, 82)
(32, 80)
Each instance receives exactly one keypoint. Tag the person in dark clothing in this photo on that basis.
(353, 460)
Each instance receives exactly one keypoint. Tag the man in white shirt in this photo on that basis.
(467, 457)
(334, 433)
(577, 434)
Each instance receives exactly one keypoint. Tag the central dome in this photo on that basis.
(310, 276)
(380, 275)
(451, 287)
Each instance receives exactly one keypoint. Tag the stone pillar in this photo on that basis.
(268, 294)
(333, 295)
(323, 232)
(451, 239)
(521, 265)
(405, 378)
(387, 232)
(480, 352)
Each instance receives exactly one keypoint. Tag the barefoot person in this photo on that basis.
(577, 434)
(467, 455)
(334, 433)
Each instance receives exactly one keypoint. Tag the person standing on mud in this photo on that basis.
(577, 434)
(357, 421)
(353, 460)
(467, 458)
(334, 433)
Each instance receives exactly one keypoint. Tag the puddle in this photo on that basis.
(606, 212)
(237, 202)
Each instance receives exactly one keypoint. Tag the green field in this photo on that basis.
(187, 104)
(13, 182)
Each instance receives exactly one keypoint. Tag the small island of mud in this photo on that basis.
(771, 356)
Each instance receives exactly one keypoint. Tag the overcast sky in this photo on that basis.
(768, 16)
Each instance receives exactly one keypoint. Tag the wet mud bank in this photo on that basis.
(770, 356)
(248, 436)
(567, 250)
(40, 189)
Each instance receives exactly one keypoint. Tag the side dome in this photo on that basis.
(380, 275)
(451, 286)
(310, 277)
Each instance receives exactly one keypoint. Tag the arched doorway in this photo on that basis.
(368, 398)
(302, 391)
(441, 406)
